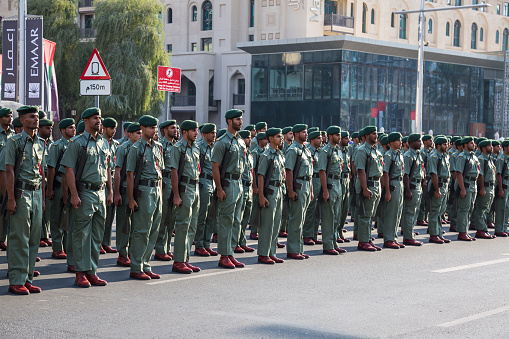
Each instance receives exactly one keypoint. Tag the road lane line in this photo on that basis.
(198, 275)
(464, 267)
(475, 317)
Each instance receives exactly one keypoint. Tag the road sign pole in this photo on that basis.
(97, 101)
(22, 10)
(167, 105)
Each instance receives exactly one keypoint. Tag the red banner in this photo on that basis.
(412, 114)
(374, 112)
(381, 106)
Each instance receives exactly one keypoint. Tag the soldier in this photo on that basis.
(260, 127)
(379, 220)
(133, 134)
(252, 130)
(484, 199)
(261, 138)
(145, 161)
(345, 186)
(415, 182)
(54, 187)
(288, 141)
(185, 175)
(299, 173)
(206, 192)
(351, 149)
(453, 209)
(362, 141)
(467, 170)
(125, 138)
(270, 182)
(427, 141)
(502, 194)
(5, 133)
(109, 130)
(87, 196)
(438, 168)
(405, 143)
(490, 217)
(368, 163)
(45, 130)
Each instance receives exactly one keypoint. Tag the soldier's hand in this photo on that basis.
(408, 195)
(312, 197)
(482, 192)
(43, 205)
(463, 193)
(50, 193)
(255, 191)
(133, 205)
(424, 184)
(264, 203)
(292, 195)
(501, 194)
(177, 201)
(388, 196)
(220, 194)
(109, 199)
(118, 200)
(325, 195)
(75, 201)
(437, 194)
(367, 194)
(11, 206)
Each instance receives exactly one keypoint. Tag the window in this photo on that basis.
(251, 37)
(241, 86)
(481, 34)
(372, 16)
(475, 2)
(497, 37)
(457, 33)
(331, 7)
(402, 26)
(457, 3)
(392, 20)
(447, 29)
(430, 26)
(506, 9)
(206, 44)
(170, 15)
(207, 16)
(194, 47)
(194, 14)
(504, 39)
(364, 13)
(498, 9)
(483, 9)
(351, 9)
(169, 48)
(251, 13)
(473, 37)
(448, 2)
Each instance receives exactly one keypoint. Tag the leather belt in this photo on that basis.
(489, 184)
(149, 183)
(345, 175)
(470, 178)
(334, 176)
(92, 187)
(246, 183)
(206, 176)
(416, 181)
(374, 178)
(275, 183)
(187, 180)
(373, 183)
(316, 175)
(305, 178)
(397, 179)
(232, 176)
(166, 174)
(26, 186)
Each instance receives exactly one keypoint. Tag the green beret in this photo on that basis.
(299, 128)
(286, 130)
(333, 130)
(42, 115)
(273, 131)
(355, 135)
(220, 132)
(314, 135)
(414, 137)
(133, 127)
(167, 123)
(4, 111)
(440, 140)
(458, 142)
(64, 123)
(479, 140)
(233, 113)
(426, 137)
(148, 121)
(126, 124)
(260, 125)
(393, 137)
(495, 143)
(45, 122)
(485, 143)
(384, 140)
(476, 140)
(466, 140)
(109, 122)
(454, 138)
(345, 134)
(186, 125)
(313, 129)
(505, 143)
(404, 139)
(323, 133)
(27, 109)
(90, 112)
(16, 122)
(261, 136)
(250, 128)
(244, 134)
(369, 129)
(81, 127)
(207, 128)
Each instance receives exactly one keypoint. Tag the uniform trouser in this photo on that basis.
(88, 230)
(70, 230)
(437, 208)
(370, 206)
(330, 211)
(392, 211)
(255, 216)
(186, 219)
(58, 235)
(163, 242)
(123, 238)
(453, 212)
(490, 216)
(211, 222)
(284, 215)
(269, 223)
(345, 203)
(501, 212)
(203, 228)
(108, 223)
(247, 207)
(24, 236)
(45, 229)
(482, 208)
(145, 226)
(465, 206)
(4, 227)
(423, 215)
(311, 222)
(296, 214)
(409, 215)
(228, 216)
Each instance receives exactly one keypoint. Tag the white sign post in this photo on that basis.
(95, 79)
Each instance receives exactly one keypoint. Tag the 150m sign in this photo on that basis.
(95, 87)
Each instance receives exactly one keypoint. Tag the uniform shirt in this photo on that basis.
(487, 166)
(206, 153)
(254, 144)
(278, 174)
(98, 153)
(286, 146)
(363, 152)
(33, 161)
(314, 153)
(167, 145)
(395, 156)
(468, 165)
(501, 164)
(153, 164)
(4, 135)
(56, 149)
(346, 160)
(124, 139)
(237, 149)
(191, 168)
(452, 159)
(46, 145)
(410, 156)
(247, 176)
(113, 145)
(336, 159)
(442, 173)
(306, 164)
(426, 153)
(121, 156)
(256, 153)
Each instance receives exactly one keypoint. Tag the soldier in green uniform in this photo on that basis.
(204, 229)
(54, 190)
(351, 149)
(145, 198)
(362, 140)
(271, 198)
(367, 186)
(379, 220)
(486, 192)
(87, 196)
(45, 130)
(453, 210)
(438, 169)
(330, 164)
(345, 186)
(125, 138)
(467, 171)
(490, 216)
(133, 134)
(169, 129)
(252, 130)
(415, 181)
(261, 139)
(25, 201)
(229, 186)
(427, 141)
(299, 174)
(5, 133)
(288, 141)
(502, 194)
(186, 201)
(109, 130)
(260, 127)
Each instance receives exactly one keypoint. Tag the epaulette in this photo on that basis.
(221, 137)
(123, 146)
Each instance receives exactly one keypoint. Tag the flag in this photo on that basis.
(54, 95)
(49, 52)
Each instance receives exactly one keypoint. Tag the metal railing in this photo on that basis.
(86, 3)
(239, 99)
(184, 100)
(338, 20)
(88, 33)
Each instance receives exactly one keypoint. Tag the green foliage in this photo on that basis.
(131, 47)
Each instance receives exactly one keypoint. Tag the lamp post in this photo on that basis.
(420, 60)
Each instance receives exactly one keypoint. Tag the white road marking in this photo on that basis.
(475, 317)
(198, 275)
(464, 267)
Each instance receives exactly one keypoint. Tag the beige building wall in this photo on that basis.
(8, 8)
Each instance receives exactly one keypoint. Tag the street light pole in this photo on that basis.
(22, 11)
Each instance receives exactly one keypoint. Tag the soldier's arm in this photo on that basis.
(499, 184)
(459, 176)
(51, 176)
(71, 183)
(109, 198)
(480, 182)
(261, 183)
(9, 179)
(116, 184)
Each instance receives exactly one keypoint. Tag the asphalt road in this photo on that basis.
(456, 290)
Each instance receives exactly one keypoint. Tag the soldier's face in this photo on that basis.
(30, 120)
(316, 142)
(263, 143)
(171, 131)
(192, 134)
(247, 141)
(210, 137)
(94, 122)
(443, 147)
(69, 131)
(276, 141)
(289, 136)
(345, 141)
(496, 149)
(236, 123)
(301, 136)
(134, 136)
(45, 131)
(149, 131)
(470, 146)
(416, 145)
(263, 129)
(253, 133)
(334, 138)
(6, 120)
(373, 138)
(488, 149)
(109, 132)
(396, 144)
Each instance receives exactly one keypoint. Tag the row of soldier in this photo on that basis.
(285, 182)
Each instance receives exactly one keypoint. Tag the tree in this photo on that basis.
(130, 41)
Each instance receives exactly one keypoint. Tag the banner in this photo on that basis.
(9, 60)
(54, 95)
(34, 62)
(49, 52)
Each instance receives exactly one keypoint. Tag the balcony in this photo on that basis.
(239, 99)
(88, 33)
(336, 23)
(186, 103)
(86, 6)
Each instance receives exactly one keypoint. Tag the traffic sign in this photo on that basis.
(168, 79)
(95, 87)
(95, 69)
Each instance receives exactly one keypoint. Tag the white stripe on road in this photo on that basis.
(464, 267)
(198, 275)
(475, 317)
